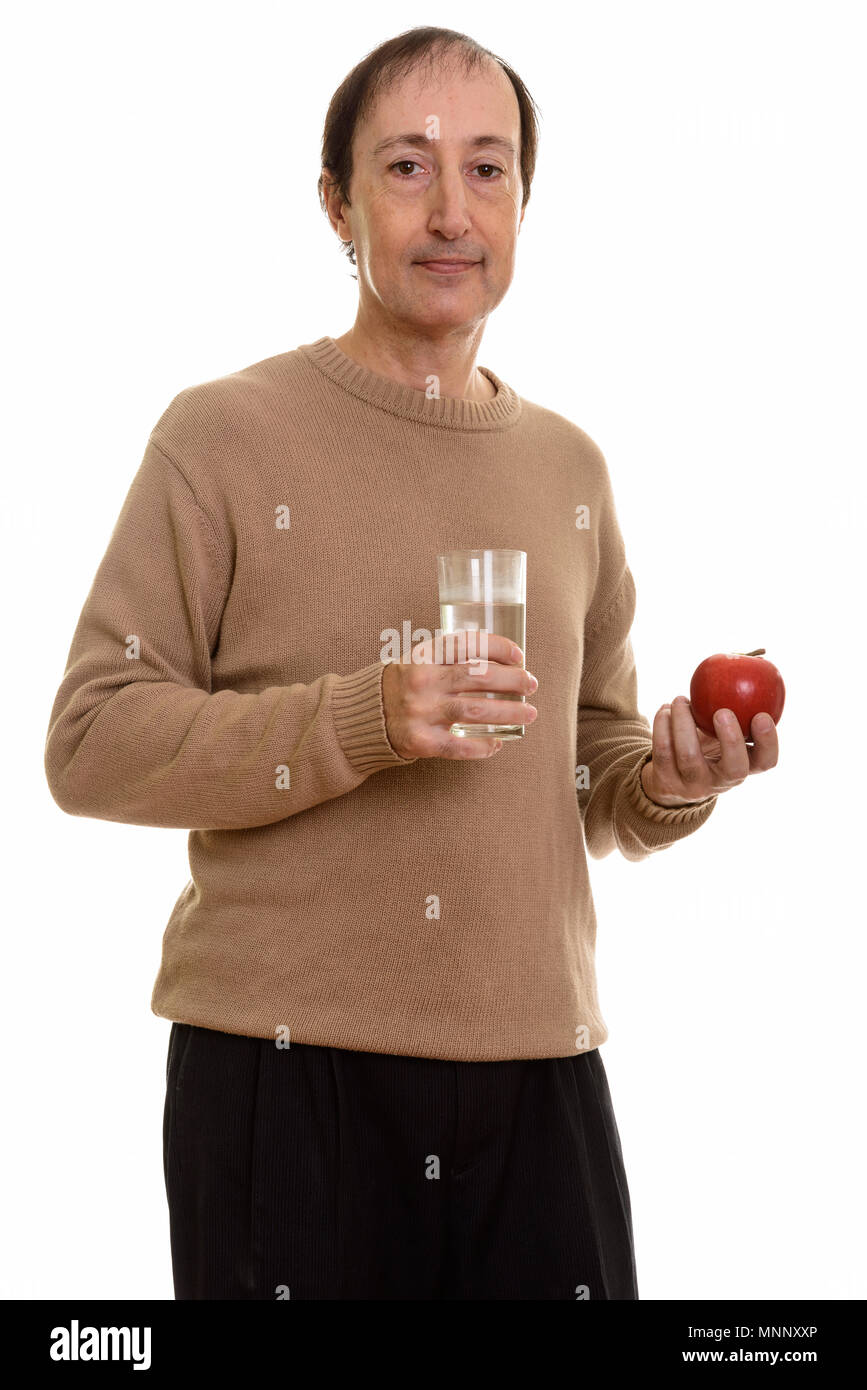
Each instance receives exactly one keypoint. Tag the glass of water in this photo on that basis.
(485, 590)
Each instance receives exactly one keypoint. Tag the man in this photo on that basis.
(384, 1078)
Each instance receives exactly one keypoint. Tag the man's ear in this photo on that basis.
(334, 205)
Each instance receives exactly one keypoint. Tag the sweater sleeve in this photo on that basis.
(136, 733)
(614, 739)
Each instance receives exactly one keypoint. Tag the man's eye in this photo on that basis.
(413, 164)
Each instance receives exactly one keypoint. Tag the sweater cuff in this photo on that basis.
(359, 718)
(672, 821)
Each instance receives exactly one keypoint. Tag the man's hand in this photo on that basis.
(422, 697)
(688, 765)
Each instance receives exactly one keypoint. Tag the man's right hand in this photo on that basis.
(424, 697)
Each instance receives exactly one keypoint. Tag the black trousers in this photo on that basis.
(322, 1173)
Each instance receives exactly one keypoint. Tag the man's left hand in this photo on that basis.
(688, 765)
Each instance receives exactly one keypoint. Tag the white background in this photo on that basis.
(691, 291)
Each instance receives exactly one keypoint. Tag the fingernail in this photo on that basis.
(763, 723)
(725, 717)
(517, 654)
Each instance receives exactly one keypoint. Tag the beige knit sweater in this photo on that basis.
(225, 676)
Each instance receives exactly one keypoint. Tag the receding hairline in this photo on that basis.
(442, 59)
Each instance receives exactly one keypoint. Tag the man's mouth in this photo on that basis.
(449, 267)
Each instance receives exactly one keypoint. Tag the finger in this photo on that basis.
(734, 762)
(665, 768)
(485, 675)
(692, 768)
(481, 710)
(766, 747)
(477, 646)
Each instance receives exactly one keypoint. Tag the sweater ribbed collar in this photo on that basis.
(444, 412)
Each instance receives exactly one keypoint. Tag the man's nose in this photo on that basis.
(449, 204)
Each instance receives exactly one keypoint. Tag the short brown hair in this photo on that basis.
(379, 71)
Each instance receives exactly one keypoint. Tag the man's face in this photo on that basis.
(443, 194)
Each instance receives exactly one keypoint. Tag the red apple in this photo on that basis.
(740, 681)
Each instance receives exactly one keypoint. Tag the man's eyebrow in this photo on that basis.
(419, 138)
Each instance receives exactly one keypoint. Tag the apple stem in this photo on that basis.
(759, 651)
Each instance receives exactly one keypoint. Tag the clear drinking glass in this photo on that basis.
(485, 590)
